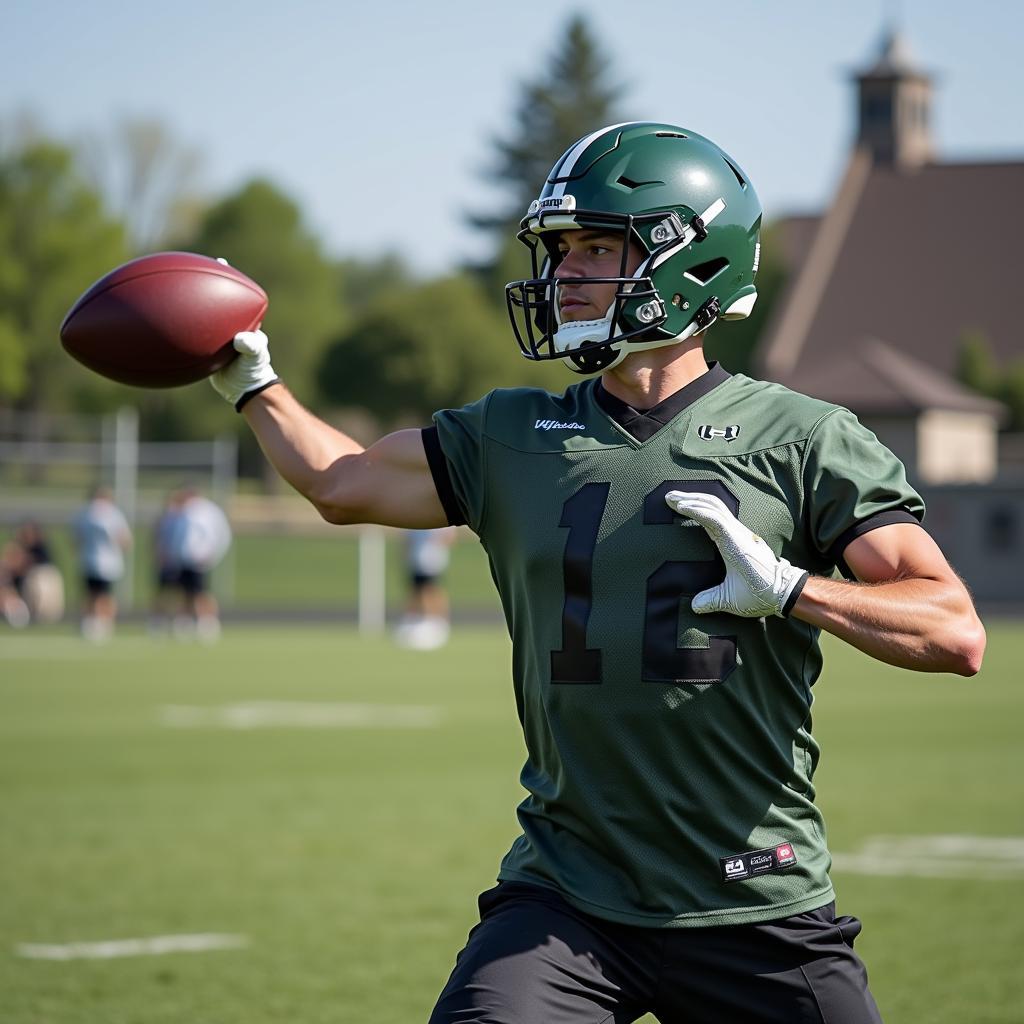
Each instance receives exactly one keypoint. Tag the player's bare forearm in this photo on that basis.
(924, 624)
(388, 483)
(299, 445)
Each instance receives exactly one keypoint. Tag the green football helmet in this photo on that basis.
(684, 202)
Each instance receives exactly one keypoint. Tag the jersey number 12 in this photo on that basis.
(663, 661)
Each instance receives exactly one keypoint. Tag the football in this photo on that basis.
(163, 320)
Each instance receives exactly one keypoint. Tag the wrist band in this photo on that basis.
(255, 391)
(793, 595)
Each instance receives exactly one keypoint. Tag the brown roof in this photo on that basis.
(874, 378)
(919, 257)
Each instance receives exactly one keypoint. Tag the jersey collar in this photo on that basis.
(642, 424)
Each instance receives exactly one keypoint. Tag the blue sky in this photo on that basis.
(376, 116)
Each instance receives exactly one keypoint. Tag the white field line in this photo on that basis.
(155, 946)
(988, 858)
(304, 715)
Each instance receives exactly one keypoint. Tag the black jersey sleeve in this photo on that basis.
(853, 484)
(458, 462)
(442, 478)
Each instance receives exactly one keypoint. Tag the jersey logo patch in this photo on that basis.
(558, 425)
(741, 866)
(706, 432)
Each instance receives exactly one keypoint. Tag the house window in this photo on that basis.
(1001, 528)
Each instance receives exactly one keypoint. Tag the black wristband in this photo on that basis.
(794, 595)
(255, 391)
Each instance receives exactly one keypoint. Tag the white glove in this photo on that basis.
(756, 582)
(249, 372)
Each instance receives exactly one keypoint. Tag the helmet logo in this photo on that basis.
(560, 203)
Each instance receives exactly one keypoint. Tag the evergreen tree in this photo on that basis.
(572, 96)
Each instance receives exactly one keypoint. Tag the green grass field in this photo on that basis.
(144, 793)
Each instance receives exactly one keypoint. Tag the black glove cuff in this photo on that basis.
(255, 391)
(794, 595)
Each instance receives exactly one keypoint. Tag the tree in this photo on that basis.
(572, 97)
(148, 179)
(1012, 393)
(978, 368)
(436, 345)
(364, 282)
(975, 364)
(55, 241)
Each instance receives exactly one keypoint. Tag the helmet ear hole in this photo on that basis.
(705, 273)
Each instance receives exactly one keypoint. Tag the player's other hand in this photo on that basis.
(756, 583)
(249, 372)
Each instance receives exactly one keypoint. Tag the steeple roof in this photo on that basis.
(894, 58)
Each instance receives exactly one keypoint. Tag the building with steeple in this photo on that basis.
(914, 256)
(894, 99)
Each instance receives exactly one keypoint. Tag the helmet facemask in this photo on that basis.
(638, 318)
(587, 346)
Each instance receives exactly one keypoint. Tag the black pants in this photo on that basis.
(534, 959)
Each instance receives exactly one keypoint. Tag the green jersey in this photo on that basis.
(670, 760)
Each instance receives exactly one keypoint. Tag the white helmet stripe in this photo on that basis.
(565, 168)
(713, 211)
(689, 234)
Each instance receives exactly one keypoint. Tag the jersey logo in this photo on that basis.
(741, 866)
(708, 433)
(558, 425)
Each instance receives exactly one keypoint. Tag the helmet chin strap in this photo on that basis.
(574, 334)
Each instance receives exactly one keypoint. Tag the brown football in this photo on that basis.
(163, 320)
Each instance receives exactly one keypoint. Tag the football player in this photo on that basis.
(664, 537)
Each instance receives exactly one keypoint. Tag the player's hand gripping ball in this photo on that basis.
(250, 373)
(164, 320)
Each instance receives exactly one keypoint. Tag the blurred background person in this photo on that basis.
(12, 604)
(103, 536)
(167, 594)
(200, 536)
(426, 623)
(33, 574)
